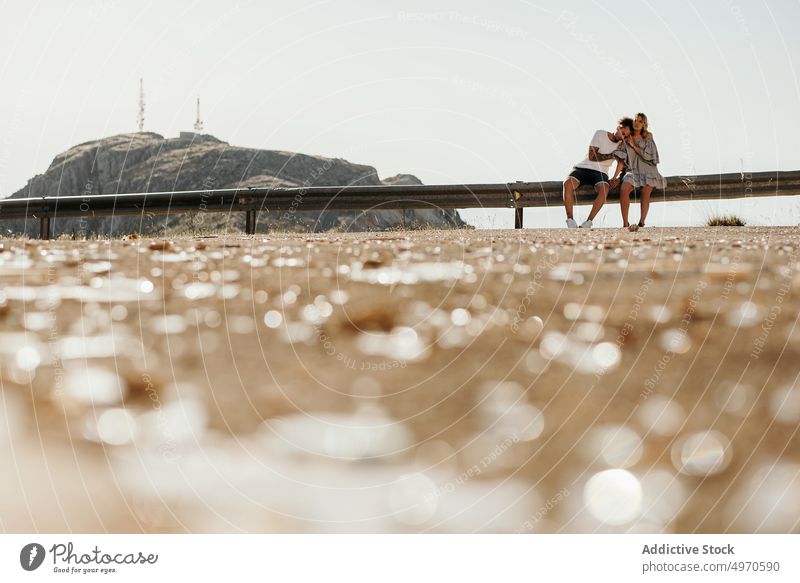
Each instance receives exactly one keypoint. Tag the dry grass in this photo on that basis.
(725, 221)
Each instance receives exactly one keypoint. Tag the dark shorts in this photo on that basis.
(586, 177)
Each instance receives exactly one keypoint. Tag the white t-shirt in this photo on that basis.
(605, 146)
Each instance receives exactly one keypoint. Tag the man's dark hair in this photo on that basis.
(626, 122)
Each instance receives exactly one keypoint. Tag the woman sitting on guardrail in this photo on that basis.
(642, 170)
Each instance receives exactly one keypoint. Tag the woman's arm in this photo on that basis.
(619, 169)
(649, 152)
(621, 156)
(614, 182)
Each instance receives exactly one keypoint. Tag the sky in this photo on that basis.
(451, 91)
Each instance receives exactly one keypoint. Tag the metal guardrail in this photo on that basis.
(516, 195)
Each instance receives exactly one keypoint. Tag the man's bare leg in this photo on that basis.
(625, 201)
(602, 192)
(569, 186)
(646, 190)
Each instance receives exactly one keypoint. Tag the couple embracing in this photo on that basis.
(634, 150)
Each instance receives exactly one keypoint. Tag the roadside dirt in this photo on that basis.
(435, 381)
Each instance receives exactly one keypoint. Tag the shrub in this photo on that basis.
(725, 221)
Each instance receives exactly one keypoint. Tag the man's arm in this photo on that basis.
(596, 156)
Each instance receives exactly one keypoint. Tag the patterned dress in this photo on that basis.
(642, 170)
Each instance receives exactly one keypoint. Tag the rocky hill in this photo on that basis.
(148, 162)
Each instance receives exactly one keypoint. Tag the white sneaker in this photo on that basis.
(586, 224)
(571, 224)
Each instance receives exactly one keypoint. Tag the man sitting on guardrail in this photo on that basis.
(605, 148)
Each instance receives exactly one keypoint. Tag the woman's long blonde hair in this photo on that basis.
(645, 130)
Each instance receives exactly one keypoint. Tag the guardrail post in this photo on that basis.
(250, 222)
(44, 227)
(515, 196)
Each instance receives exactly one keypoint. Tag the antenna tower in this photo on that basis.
(198, 124)
(140, 117)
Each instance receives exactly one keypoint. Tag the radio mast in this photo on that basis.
(140, 117)
(198, 124)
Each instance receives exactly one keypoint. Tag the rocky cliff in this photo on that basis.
(148, 162)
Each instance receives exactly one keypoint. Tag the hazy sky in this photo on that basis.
(459, 91)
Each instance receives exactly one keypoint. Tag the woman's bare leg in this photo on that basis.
(646, 190)
(625, 201)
